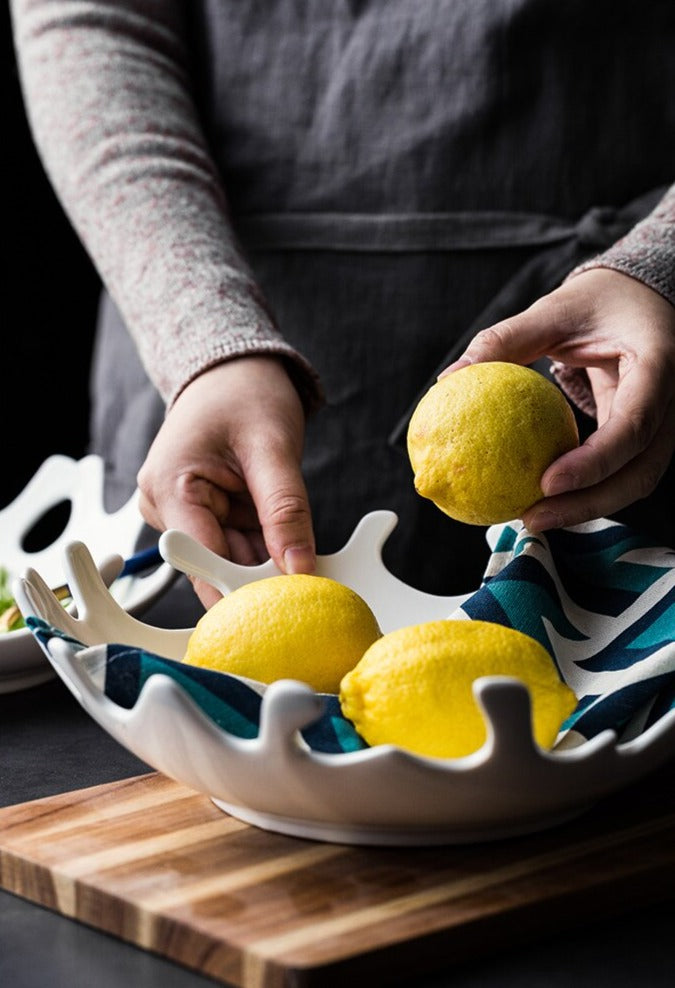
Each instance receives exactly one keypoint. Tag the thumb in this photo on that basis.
(281, 500)
(520, 339)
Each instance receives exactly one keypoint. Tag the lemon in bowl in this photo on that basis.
(293, 626)
(414, 686)
(481, 437)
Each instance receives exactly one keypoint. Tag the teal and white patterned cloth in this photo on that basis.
(599, 597)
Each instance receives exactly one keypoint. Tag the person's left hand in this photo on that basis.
(623, 334)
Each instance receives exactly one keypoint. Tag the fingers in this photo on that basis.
(639, 410)
(636, 412)
(207, 594)
(279, 492)
(241, 541)
(196, 507)
(520, 339)
(246, 548)
(581, 500)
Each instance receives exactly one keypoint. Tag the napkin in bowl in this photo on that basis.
(599, 597)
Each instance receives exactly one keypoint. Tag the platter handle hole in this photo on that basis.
(48, 527)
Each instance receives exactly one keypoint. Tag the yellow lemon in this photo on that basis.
(480, 439)
(285, 627)
(413, 687)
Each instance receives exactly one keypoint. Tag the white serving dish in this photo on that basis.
(110, 537)
(382, 795)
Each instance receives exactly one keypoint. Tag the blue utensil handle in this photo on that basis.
(141, 561)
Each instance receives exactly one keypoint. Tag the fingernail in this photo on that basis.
(559, 483)
(544, 520)
(457, 365)
(299, 559)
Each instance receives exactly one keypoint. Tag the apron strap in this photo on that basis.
(393, 233)
(405, 232)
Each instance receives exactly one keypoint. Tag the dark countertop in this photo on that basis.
(49, 745)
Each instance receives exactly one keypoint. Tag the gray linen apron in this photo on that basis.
(402, 173)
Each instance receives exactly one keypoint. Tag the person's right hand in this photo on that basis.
(225, 468)
(623, 334)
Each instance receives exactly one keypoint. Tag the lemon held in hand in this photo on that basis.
(481, 438)
(302, 627)
(413, 687)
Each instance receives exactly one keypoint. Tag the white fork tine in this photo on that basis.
(188, 556)
(34, 597)
(100, 619)
(88, 590)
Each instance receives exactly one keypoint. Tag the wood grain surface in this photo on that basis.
(158, 865)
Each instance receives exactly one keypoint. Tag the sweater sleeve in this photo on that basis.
(108, 97)
(646, 253)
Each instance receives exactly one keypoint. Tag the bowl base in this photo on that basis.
(335, 833)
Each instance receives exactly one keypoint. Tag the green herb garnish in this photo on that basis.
(11, 618)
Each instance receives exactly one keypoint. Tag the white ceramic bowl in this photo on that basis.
(111, 538)
(381, 795)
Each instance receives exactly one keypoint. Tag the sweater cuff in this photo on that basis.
(305, 379)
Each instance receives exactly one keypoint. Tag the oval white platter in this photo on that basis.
(110, 537)
(381, 795)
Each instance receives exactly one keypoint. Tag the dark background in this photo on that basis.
(50, 294)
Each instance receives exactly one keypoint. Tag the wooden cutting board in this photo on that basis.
(158, 865)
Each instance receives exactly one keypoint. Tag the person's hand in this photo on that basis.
(623, 334)
(225, 468)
